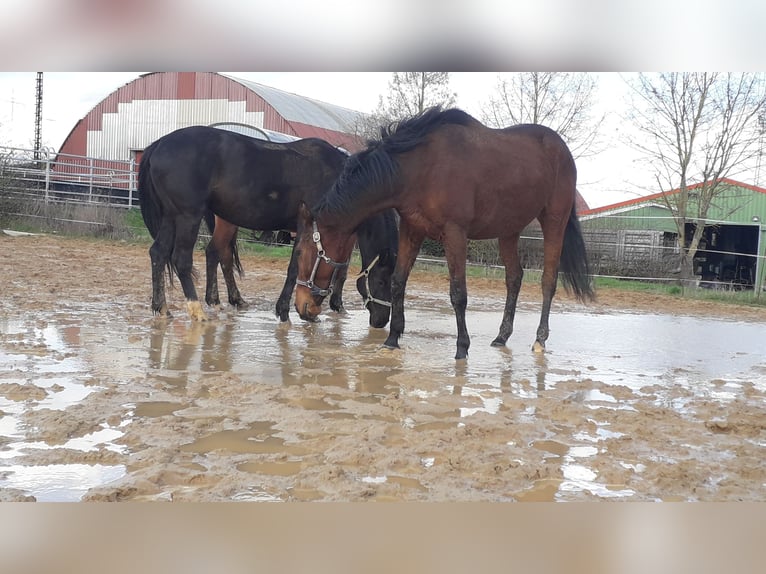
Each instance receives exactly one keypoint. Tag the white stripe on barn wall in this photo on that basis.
(137, 124)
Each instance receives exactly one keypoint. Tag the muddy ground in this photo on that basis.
(101, 401)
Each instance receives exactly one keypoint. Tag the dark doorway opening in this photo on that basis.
(726, 258)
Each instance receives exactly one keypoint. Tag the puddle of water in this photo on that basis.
(577, 476)
(407, 482)
(94, 441)
(97, 440)
(580, 478)
(281, 468)
(316, 405)
(255, 494)
(156, 409)
(345, 352)
(551, 446)
(59, 482)
(543, 490)
(582, 451)
(64, 356)
(258, 439)
(403, 481)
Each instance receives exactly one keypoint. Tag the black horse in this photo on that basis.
(233, 180)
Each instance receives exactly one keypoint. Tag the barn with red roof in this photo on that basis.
(124, 123)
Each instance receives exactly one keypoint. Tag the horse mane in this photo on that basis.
(375, 167)
(403, 135)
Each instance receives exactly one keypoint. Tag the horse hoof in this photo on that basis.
(162, 312)
(282, 314)
(538, 347)
(389, 347)
(498, 342)
(195, 311)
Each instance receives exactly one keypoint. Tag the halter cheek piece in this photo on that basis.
(316, 291)
(366, 272)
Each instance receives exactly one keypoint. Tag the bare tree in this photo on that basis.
(695, 129)
(563, 101)
(409, 93)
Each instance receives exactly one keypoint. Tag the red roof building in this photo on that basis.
(121, 126)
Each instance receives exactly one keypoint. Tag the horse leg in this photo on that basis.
(509, 251)
(187, 229)
(211, 273)
(552, 243)
(336, 299)
(225, 245)
(455, 248)
(283, 303)
(160, 253)
(409, 246)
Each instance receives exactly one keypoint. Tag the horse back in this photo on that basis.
(489, 181)
(249, 182)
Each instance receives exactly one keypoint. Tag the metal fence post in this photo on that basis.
(47, 175)
(90, 179)
(131, 182)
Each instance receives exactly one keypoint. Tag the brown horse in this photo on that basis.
(452, 179)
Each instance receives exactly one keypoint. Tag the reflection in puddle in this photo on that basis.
(103, 439)
(577, 476)
(49, 373)
(402, 481)
(254, 494)
(580, 478)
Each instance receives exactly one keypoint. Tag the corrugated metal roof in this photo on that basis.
(293, 107)
(657, 197)
(734, 202)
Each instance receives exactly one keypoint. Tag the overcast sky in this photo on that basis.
(608, 177)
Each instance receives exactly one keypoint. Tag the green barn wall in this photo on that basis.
(736, 204)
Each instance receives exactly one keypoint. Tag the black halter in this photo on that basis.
(316, 291)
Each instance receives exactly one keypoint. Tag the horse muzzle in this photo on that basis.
(307, 309)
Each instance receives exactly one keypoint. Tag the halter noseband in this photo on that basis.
(369, 298)
(316, 291)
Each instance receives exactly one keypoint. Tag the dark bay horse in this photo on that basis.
(232, 180)
(453, 179)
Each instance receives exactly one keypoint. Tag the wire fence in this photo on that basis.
(49, 176)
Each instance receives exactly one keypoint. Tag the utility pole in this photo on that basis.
(38, 116)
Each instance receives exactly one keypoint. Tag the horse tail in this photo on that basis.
(574, 261)
(151, 208)
(235, 257)
(209, 218)
(149, 201)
